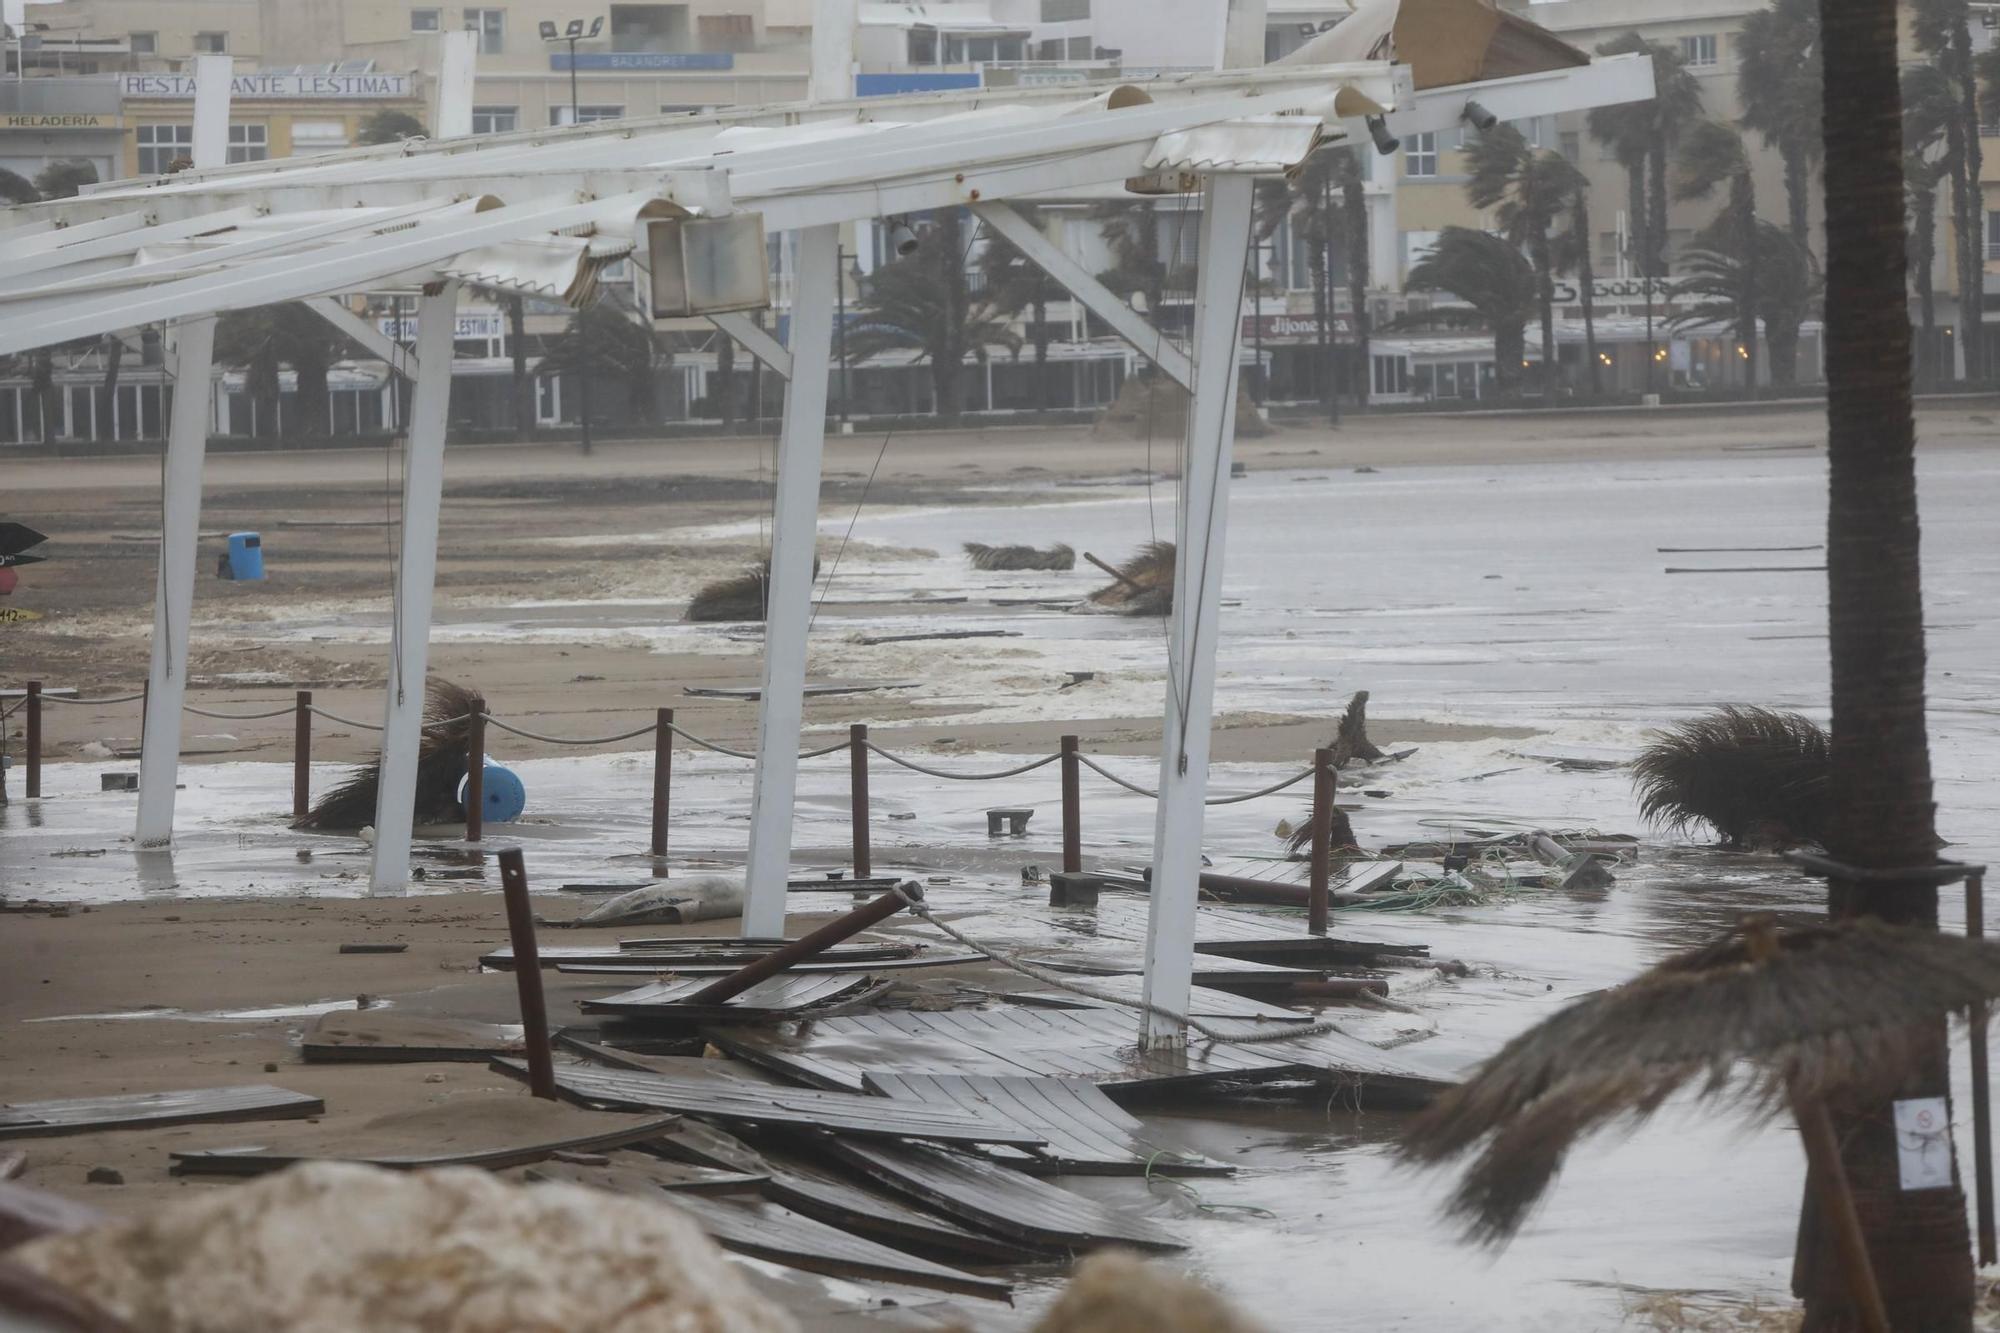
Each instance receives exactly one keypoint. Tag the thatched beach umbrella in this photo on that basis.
(1773, 1020)
(1757, 776)
(1143, 585)
(1057, 557)
(743, 596)
(441, 765)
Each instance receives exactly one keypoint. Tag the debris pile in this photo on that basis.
(1762, 779)
(1142, 586)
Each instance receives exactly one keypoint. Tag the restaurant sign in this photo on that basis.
(276, 87)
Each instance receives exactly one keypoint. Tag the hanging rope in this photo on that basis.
(901, 762)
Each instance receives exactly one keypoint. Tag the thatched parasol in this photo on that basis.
(744, 596)
(1835, 1010)
(1057, 557)
(441, 765)
(1757, 776)
(1143, 585)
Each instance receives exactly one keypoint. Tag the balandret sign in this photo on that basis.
(275, 87)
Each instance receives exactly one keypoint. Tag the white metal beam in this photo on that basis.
(760, 342)
(1126, 322)
(371, 339)
(832, 51)
(213, 76)
(788, 607)
(173, 594)
(1201, 529)
(416, 579)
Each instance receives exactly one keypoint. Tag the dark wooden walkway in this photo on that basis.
(1087, 1132)
(734, 1100)
(625, 968)
(1278, 937)
(145, 1110)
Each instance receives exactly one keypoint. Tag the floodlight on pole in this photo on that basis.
(573, 33)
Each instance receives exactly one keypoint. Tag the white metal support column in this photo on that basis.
(1201, 528)
(416, 569)
(180, 504)
(794, 536)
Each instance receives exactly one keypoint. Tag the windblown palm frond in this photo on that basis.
(1145, 583)
(1489, 275)
(441, 766)
(1754, 775)
(744, 596)
(1059, 556)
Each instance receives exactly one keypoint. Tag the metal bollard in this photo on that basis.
(1072, 808)
(1322, 841)
(797, 951)
(475, 777)
(527, 974)
(857, 787)
(663, 776)
(34, 779)
(302, 740)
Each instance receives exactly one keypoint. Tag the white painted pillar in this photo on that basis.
(1200, 531)
(1242, 44)
(458, 63)
(416, 569)
(794, 535)
(173, 596)
(832, 51)
(180, 504)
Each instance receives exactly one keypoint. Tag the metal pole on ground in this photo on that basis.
(794, 533)
(663, 776)
(1322, 840)
(34, 778)
(302, 740)
(416, 569)
(1201, 533)
(1072, 806)
(1982, 1094)
(857, 790)
(527, 974)
(475, 777)
(797, 951)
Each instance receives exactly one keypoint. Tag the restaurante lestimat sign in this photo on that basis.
(274, 86)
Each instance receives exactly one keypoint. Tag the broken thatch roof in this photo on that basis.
(441, 766)
(1757, 776)
(1143, 585)
(1842, 1009)
(744, 596)
(1444, 42)
(1057, 557)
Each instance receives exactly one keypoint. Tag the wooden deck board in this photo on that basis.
(1205, 1003)
(368, 1037)
(145, 1110)
(1000, 1199)
(731, 1100)
(667, 954)
(258, 1161)
(668, 1000)
(624, 968)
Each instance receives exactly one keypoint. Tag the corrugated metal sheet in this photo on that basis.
(1262, 145)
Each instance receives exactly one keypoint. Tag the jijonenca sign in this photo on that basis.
(274, 86)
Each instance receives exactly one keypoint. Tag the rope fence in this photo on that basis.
(856, 745)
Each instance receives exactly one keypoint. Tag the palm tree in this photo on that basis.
(604, 334)
(1784, 282)
(923, 301)
(1571, 249)
(524, 389)
(261, 341)
(390, 126)
(1307, 198)
(1940, 29)
(1778, 82)
(1014, 283)
(1489, 275)
(1527, 190)
(1642, 135)
(1131, 227)
(1348, 174)
(1714, 155)
(1882, 795)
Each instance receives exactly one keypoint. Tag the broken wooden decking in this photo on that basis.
(804, 1108)
(145, 1110)
(670, 1001)
(669, 954)
(765, 1230)
(362, 1036)
(1204, 1002)
(1265, 939)
(257, 1161)
(626, 968)
(1086, 1132)
(1098, 1045)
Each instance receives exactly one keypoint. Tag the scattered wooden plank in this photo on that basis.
(809, 885)
(1750, 569)
(799, 1183)
(1731, 550)
(767, 1230)
(376, 1037)
(805, 1108)
(1256, 938)
(668, 1001)
(876, 639)
(668, 954)
(754, 692)
(999, 1199)
(1099, 1045)
(147, 1110)
(257, 1161)
(1087, 1132)
(373, 948)
(12, 1163)
(630, 969)
(1205, 1002)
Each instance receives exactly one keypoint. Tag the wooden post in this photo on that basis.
(475, 777)
(302, 742)
(527, 974)
(857, 789)
(1982, 1100)
(663, 776)
(34, 780)
(1322, 841)
(1072, 803)
(797, 951)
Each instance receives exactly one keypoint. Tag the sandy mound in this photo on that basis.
(331, 1248)
(1116, 1292)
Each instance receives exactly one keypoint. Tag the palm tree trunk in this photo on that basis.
(1636, 220)
(1322, 322)
(313, 406)
(1744, 204)
(114, 362)
(1656, 210)
(1923, 245)
(1327, 219)
(1972, 263)
(1354, 205)
(524, 389)
(1798, 189)
(1040, 310)
(1509, 342)
(1963, 237)
(1545, 292)
(1881, 784)
(1586, 279)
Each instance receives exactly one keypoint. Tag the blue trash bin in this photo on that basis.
(246, 555)
(503, 795)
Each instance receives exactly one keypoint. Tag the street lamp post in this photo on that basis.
(573, 33)
(840, 257)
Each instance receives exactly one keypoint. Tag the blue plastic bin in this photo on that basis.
(246, 555)
(504, 796)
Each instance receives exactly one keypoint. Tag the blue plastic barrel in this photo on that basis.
(504, 798)
(246, 555)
